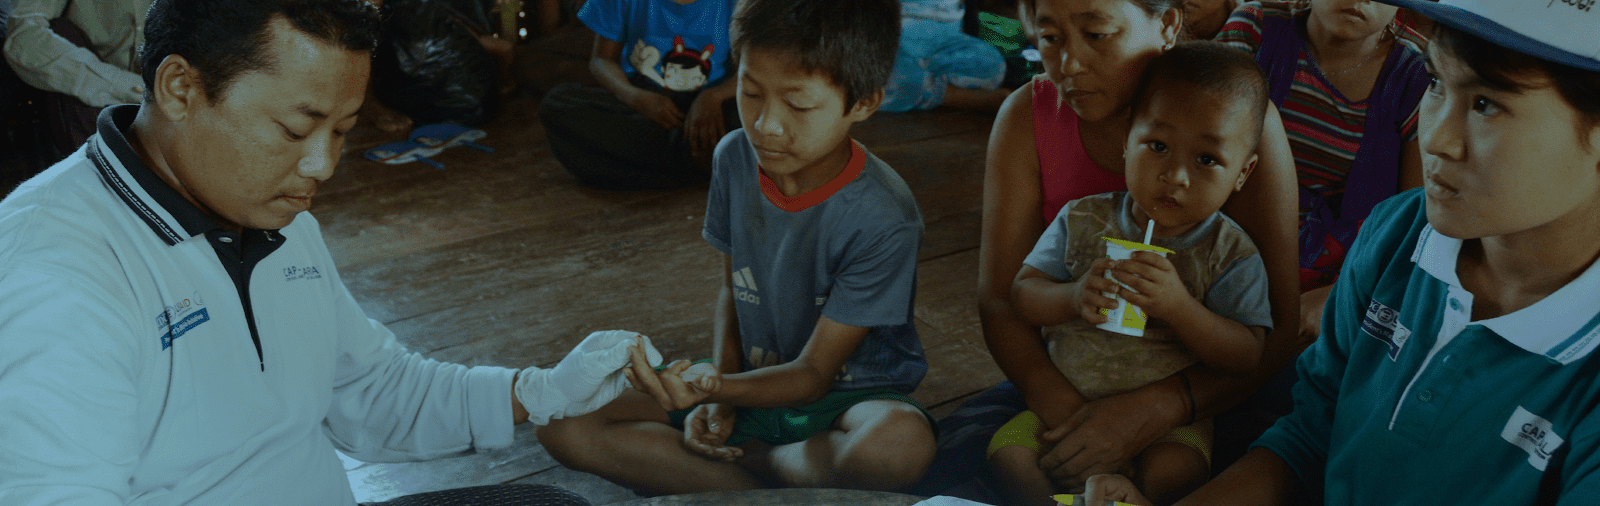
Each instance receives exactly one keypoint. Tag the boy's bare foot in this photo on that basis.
(386, 119)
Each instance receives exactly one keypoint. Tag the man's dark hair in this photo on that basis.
(224, 38)
(1512, 71)
(853, 42)
(1211, 67)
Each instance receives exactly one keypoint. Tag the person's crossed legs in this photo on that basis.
(875, 445)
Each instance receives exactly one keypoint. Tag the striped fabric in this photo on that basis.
(1324, 127)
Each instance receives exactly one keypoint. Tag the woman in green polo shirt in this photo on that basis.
(1457, 363)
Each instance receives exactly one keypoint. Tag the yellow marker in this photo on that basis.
(1078, 500)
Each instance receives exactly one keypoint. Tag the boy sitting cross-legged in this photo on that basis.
(815, 349)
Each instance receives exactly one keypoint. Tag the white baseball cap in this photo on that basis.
(1561, 31)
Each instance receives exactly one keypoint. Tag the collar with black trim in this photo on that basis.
(1564, 326)
(170, 216)
(801, 202)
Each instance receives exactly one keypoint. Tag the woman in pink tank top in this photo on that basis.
(1062, 138)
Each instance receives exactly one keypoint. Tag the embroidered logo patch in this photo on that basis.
(1533, 434)
(176, 320)
(1383, 324)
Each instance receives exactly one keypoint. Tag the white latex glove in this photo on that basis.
(588, 378)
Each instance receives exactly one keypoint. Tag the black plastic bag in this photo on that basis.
(431, 67)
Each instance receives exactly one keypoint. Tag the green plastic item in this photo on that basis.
(1002, 32)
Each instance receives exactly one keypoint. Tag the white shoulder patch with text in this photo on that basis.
(1532, 434)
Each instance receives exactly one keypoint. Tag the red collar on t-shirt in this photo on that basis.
(797, 203)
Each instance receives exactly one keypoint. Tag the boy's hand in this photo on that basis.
(1160, 292)
(703, 377)
(1089, 295)
(705, 126)
(656, 107)
(707, 429)
(667, 387)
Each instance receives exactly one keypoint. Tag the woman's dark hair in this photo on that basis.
(853, 42)
(224, 38)
(1511, 71)
(1151, 7)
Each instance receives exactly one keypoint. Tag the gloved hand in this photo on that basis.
(588, 378)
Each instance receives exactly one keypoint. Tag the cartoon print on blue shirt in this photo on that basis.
(685, 69)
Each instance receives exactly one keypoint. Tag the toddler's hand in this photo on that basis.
(706, 431)
(1090, 296)
(1160, 292)
(1102, 488)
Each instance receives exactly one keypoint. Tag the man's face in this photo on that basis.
(255, 158)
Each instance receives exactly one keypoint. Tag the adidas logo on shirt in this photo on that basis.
(745, 286)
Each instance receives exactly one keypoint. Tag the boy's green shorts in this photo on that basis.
(780, 426)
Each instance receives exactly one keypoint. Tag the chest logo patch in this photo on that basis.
(744, 285)
(1383, 324)
(179, 318)
(295, 273)
(1533, 434)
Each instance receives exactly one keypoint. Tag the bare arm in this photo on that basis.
(1259, 478)
(704, 122)
(797, 382)
(1012, 199)
(519, 413)
(727, 351)
(1266, 208)
(604, 65)
(1042, 300)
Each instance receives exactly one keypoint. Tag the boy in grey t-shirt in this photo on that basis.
(815, 347)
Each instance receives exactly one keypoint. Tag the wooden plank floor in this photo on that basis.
(502, 259)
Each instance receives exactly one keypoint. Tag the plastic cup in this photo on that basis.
(1126, 318)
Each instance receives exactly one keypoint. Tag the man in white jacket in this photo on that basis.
(172, 327)
(85, 53)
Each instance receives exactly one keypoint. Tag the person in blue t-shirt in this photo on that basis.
(940, 65)
(1457, 362)
(815, 350)
(663, 103)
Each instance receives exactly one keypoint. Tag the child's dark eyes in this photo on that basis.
(1206, 160)
(1095, 35)
(1157, 146)
(1433, 84)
